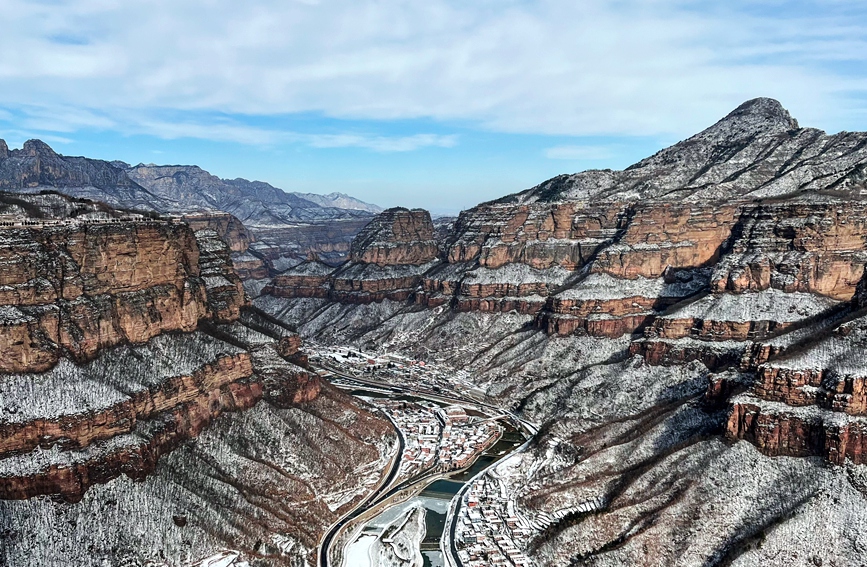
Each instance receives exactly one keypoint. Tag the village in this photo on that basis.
(489, 531)
(18, 220)
(437, 439)
(395, 370)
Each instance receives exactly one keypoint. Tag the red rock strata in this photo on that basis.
(786, 433)
(540, 235)
(138, 457)
(809, 400)
(814, 248)
(80, 289)
(664, 236)
(82, 429)
(396, 237)
(107, 296)
(228, 228)
(387, 261)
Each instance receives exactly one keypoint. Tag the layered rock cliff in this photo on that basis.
(387, 260)
(72, 290)
(124, 338)
(646, 320)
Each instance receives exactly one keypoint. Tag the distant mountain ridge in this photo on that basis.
(36, 167)
(757, 151)
(168, 188)
(256, 203)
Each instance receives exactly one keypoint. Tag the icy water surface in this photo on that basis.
(435, 498)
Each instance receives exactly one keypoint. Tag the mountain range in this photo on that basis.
(684, 340)
(290, 223)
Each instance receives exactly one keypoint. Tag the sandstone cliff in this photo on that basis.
(387, 260)
(647, 319)
(123, 338)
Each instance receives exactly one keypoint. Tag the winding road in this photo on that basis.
(385, 491)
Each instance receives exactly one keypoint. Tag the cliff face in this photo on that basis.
(395, 237)
(79, 289)
(230, 230)
(616, 269)
(121, 340)
(72, 289)
(647, 319)
(387, 260)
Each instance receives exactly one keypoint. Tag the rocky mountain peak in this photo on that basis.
(4, 150)
(396, 236)
(757, 116)
(768, 108)
(757, 149)
(38, 148)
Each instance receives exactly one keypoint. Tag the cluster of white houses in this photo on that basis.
(437, 439)
(422, 433)
(489, 530)
(16, 221)
(397, 370)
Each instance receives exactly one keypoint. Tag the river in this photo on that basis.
(435, 498)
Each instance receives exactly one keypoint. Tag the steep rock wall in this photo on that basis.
(81, 288)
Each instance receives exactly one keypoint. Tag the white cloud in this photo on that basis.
(45, 121)
(631, 67)
(588, 153)
(248, 135)
(16, 138)
(381, 143)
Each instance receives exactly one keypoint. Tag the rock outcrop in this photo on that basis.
(648, 319)
(230, 230)
(387, 261)
(76, 289)
(396, 237)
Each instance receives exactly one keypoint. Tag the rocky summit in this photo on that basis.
(663, 365)
(686, 333)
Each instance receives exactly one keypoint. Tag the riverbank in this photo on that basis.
(437, 491)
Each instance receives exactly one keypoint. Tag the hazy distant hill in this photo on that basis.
(286, 225)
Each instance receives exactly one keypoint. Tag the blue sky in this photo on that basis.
(439, 104)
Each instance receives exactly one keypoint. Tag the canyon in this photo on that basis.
(686, 338)
(687, 333)
(134, 375)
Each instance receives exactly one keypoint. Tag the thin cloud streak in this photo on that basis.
(68, 120)
(575, 153)
(548, 67)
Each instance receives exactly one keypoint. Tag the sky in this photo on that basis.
(438, 104)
